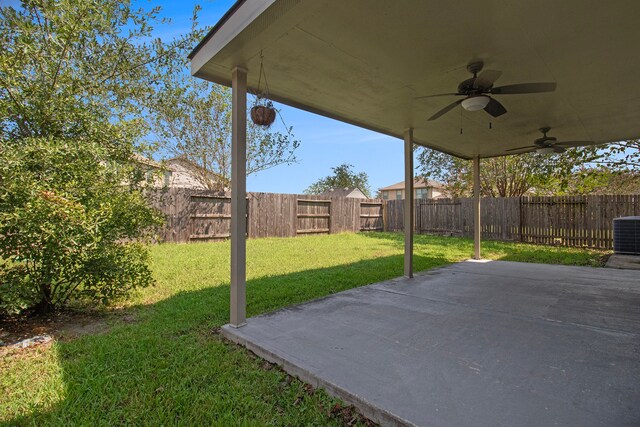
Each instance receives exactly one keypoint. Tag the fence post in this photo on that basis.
(521, 225)
(385, 225)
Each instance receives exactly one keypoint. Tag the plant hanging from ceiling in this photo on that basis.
(263, 113)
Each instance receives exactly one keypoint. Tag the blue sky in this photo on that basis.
(325, 143)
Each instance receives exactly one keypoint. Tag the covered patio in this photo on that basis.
(570, 66)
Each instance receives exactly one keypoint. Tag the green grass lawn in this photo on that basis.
(161, 361)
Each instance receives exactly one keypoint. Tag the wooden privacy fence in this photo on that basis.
(204, 216)
(578, 221)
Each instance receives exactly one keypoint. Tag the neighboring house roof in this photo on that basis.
(417, 183)
(166, 163)
(184, 162)
(147, 162)
(353, 192)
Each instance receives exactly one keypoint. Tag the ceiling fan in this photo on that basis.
(548, 144)
(477, 92)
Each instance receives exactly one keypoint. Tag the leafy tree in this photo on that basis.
(533, 173)
(191, 118)
(593, 181)
(617, 156)
(506, 176)
(71, 76)
(599, 169)
(455, 174)
(343, 177)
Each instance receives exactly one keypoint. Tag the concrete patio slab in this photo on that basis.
(482, 344)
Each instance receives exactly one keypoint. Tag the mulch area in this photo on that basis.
(59, 326)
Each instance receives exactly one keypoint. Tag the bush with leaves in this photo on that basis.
(72, 74)
(68, 225)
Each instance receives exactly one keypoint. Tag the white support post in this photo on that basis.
(238, 198)
(408, 203)
(476, 208)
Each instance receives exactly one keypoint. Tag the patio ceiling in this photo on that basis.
(364, 61)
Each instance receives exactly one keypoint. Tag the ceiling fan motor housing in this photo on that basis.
(545, 140)
(466, 87)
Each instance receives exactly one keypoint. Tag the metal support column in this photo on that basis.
(238, 198)
(408, 203)
(476, 208)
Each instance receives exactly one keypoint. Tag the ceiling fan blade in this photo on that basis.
(524, 88)
(445, 110)
(495, 108)
(528, 147)
(558, 149)
(435, 96)
(486, 79)
(568, 144)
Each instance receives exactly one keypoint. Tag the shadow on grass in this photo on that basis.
(170, 367)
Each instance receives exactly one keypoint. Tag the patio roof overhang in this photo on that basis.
(365, 61)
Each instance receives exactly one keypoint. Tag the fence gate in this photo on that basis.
(209, 217)
(371, 216)
(313, 216)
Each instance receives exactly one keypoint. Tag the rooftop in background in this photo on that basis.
(357, 62)
(147, 161)
(417, 183)
(351, 192)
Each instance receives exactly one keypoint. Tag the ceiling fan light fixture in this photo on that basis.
(545, 150)
(475, 103)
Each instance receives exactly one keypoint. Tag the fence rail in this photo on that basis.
(578, 221)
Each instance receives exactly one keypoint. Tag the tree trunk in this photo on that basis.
(45, 305)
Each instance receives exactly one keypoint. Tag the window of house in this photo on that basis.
(167, 178)
(385, 195)
(398, 194)
(422, 193)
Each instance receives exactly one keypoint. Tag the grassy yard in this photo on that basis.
(161, 362)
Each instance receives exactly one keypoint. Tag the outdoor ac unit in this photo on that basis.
(626, 235)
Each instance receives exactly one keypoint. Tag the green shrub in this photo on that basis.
(69, 221)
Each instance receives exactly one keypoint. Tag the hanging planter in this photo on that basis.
(262, 113)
